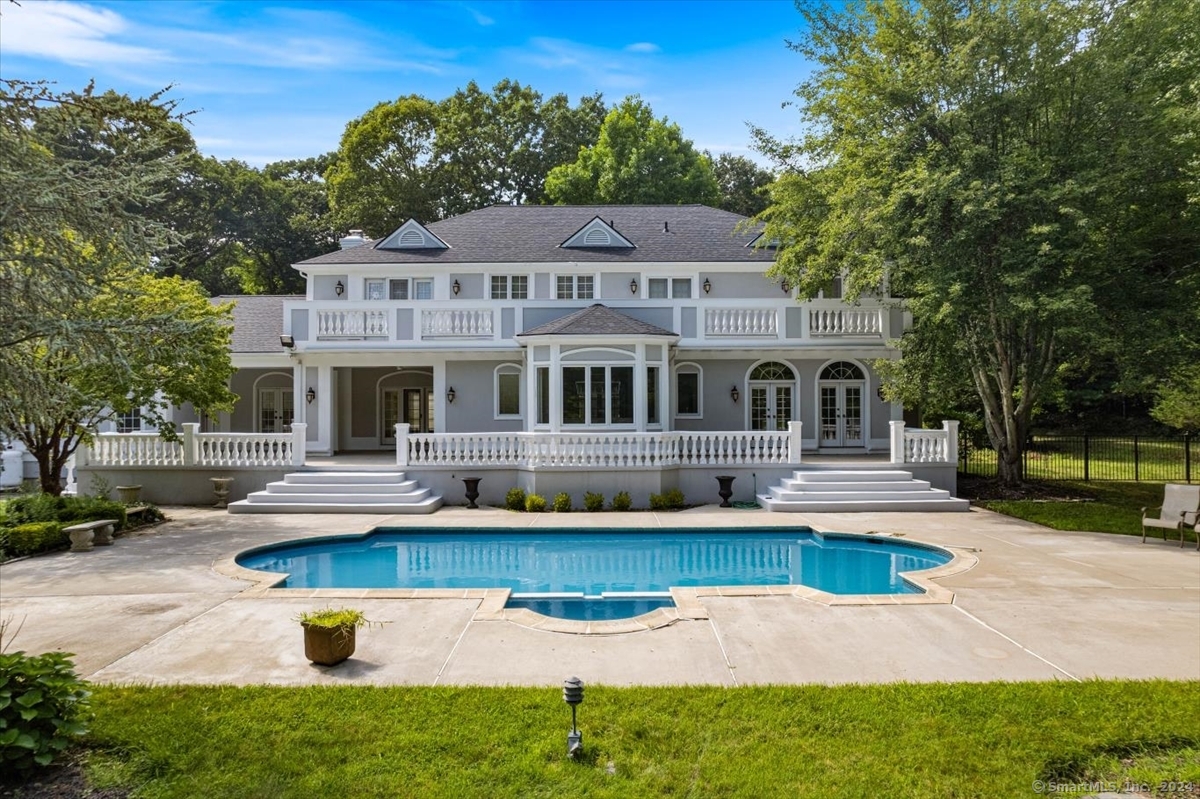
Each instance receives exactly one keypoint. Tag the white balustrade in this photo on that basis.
(845, 321)
(925, 446)
(134, 449)
(720, 322)
(456, 323)
(244, 449)
(595, 450)
(352, 323)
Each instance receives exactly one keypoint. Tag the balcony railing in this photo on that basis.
(456, 323)
(845, 321)
(919, 445)
(719, 322)
(353, 323)
(193, 448)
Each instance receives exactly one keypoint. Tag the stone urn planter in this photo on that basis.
(330, 634)
(221, 490)
(129, 495)
(472, 486)
(725, 489)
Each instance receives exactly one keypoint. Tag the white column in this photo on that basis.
(666, 402)
(299, 443)
(299, 403)
(897, 434)
(951, 428)
(639, 388)
(323, 407)
(401, 444)
(190, 444)
(556, 389)
(794, 441)
(439, 397)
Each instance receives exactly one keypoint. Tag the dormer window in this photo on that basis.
(597, 233)
(412, 235)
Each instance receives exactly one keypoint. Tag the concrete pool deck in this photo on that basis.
(1039, 605)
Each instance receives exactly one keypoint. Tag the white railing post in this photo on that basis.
(794, 441)
(897, 435)
(299, 443)
(190, 443)
(402, 444)
(951, 428)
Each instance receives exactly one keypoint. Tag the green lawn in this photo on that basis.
(942, 740)
(1092, 507)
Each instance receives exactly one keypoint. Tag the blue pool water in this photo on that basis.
(595, 562)
(581, 609)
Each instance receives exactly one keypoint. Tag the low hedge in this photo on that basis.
(28, 539)
(66, 510)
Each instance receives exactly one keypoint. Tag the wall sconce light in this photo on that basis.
(734, 394)
(633, 286)
(879, 392)
(456, 288)
(287, 341)
(450, 395)
(339, 288)
(786, 286)
(310, 395)
(707, 285)
(573, 696)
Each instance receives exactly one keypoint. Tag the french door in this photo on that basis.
(413, 406)
(276, 410)
(842, 414)
(770, 406)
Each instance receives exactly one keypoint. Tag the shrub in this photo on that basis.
(47, 508)
(593, 502)
(535, 503)
(27, 539)
(562, 502)
(43, 705)
(622, 501)
(668, 500)
(515, 499)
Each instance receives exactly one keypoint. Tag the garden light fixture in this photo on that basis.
(573, 696)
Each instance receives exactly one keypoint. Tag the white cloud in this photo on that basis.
(480, 17)
(643, 47)
(604, 68)
(73, 33)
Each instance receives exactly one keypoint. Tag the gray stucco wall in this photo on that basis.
(470, 286)
(739, 285)
(325, 287)
(473, 408)
(300, 324)
(243, 384)
(541, 286)
(615, 285)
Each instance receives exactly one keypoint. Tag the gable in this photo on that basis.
(412, 235)
(597, 233)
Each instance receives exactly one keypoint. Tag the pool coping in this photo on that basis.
(688, 604)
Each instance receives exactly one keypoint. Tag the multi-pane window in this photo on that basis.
(375, 289)
(543, 390)
(514, 287)
(574, 287)
(400, 288)
(508, 391)
(597, 395)
(679, 288)
(423, 289)
(651, 395)
(130, 421)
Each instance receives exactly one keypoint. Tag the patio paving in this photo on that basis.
(1039, 605)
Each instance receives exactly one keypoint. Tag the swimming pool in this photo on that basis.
(597, 562)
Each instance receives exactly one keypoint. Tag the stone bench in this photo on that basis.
(136, 511)
(83, 536)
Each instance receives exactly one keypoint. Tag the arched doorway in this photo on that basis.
(772, 393)
(841, 388)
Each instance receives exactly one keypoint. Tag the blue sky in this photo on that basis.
(277, 80)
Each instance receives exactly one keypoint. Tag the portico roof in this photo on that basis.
(597, 320)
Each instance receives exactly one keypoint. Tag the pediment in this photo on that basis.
(597, 234)
(412, 235)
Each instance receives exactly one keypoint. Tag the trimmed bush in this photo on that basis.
(535, 503)
(668, 500)
(562, 503)
(43, 706)
(515, 499)
(47, 508)
(622, 501)
(593, 502)
(28, 539)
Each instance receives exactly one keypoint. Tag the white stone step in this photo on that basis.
(326, 478)
(862, 506)
(857, 496)
(850, 476)
(340, 499)
(428, 505)
(285, 487)
(880, 485)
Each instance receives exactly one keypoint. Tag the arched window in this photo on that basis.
(842, 370)
(508, 391)
(689, 389)
(772, 370)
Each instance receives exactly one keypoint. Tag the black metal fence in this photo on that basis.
(1095, 458)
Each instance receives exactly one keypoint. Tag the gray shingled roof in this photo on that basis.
(533, 233)
(596, 320)
(257, 321)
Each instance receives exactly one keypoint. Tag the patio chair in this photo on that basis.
(1181, 506)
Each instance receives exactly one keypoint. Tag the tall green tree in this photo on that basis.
(742, 183)
(981, 157)
(637, 159)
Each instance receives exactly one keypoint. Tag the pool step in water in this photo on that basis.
(341, 492)
(832, 491)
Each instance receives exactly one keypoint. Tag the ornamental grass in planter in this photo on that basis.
(329, 633)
